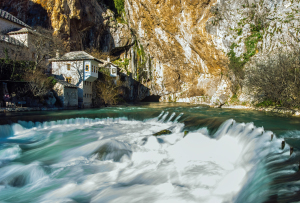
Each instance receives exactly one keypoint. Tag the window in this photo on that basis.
(69, 79)
(87, 67)
(68, 66)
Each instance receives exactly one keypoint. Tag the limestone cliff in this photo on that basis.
(179, 49)
(192, 44)
(184, 60)
(82, 23)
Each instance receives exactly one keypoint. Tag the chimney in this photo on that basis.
(108, 59)
(57, 54)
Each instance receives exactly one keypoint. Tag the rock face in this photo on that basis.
(178, 49)
(81, 23)
(190, 43)
(185, 63)
(251, 30)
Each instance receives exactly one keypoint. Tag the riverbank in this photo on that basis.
(22, 109)
(273, 109)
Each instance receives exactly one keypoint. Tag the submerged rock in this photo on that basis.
(113, 150)
(163, 132)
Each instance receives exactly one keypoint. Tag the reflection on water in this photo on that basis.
(110, 155)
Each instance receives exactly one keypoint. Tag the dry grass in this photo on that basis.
(194, 92)
(101, 55)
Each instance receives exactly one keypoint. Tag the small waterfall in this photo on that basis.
(117, 159)
(178, 117)
(164, 117)
(171, 117)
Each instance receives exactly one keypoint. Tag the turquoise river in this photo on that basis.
(110, 155)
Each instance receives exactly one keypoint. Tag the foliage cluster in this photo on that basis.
(14, 70)
(123, 64)
(257, 22)
(141, 60)
(276, 80)
(237, 63)
(119, 5)
(46, 45)
(39, 84)
(109, 90)
(234, 99)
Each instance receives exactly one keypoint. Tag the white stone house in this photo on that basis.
(26, 37)
(80, 69)
(14, 37)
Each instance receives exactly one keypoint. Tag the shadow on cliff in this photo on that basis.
(27, 11)
(134, 91)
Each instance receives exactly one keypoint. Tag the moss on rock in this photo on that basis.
(163, 132)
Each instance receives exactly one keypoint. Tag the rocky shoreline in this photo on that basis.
(22, 109)
(273, 109)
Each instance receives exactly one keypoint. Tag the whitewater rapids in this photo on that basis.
(119, 160)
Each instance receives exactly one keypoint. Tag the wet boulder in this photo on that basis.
(113, 150)
(163, 132)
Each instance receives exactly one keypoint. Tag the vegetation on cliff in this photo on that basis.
(119, 4)
(276, 80)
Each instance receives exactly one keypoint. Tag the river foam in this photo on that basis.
(119, 160)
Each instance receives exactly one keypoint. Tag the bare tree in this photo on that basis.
(108, 90)
(45, 46)
(39, 83)
(276, 80)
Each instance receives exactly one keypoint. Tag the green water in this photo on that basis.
(110, 155)
(195, 116)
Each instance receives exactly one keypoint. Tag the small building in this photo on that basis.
(67, 93)
(15, 38)
(112, 68)
(78, 68)
(9, 22)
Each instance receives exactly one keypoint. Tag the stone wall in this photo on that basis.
(70, 97)
(15, 52)
(87, 94)
(6, 26)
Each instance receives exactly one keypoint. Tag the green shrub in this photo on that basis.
(14, 70)
(119, 5)
(52, 80)
(266, 103)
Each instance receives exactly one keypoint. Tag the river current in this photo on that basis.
(110, 155)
